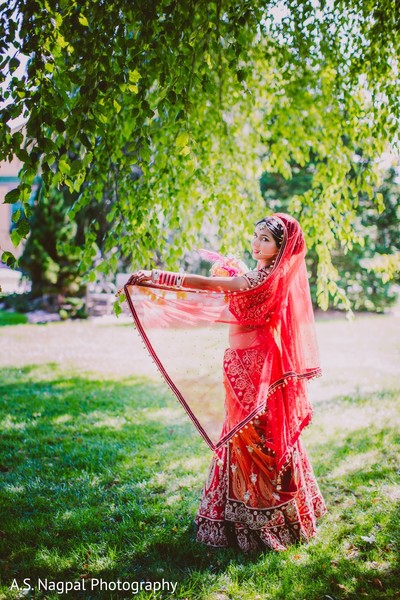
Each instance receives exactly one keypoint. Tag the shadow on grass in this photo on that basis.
(102, 479)
(96, 477)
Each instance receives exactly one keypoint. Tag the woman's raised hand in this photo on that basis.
(141, 276)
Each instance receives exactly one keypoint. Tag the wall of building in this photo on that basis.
(8, 181)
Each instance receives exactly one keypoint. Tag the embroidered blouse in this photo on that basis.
(255, 278)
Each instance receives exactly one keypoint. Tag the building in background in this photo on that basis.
(10, 280)
(8, 181)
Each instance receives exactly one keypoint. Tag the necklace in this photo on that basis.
(268, 268)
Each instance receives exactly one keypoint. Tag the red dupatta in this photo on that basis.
(230, 356)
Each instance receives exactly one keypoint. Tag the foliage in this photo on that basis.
(44, 260)
(362, 271)
(359, 270)
(386, 261)
(52, 254)
(51, 258)
(16, 302)
(387, 265)
(199, 99)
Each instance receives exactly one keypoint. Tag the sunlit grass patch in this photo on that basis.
(104, 477)
(12, 318)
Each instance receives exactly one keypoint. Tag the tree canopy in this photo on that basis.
(175, 108)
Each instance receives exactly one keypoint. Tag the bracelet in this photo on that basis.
(168, 278)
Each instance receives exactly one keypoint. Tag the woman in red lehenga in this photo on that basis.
(261, 490)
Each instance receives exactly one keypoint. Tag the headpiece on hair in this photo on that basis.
(274, 226)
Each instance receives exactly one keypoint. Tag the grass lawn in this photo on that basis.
(12, 318)
(101, 473)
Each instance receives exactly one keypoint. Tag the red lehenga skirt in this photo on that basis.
(247, 503)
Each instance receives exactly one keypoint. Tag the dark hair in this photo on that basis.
(275, 227)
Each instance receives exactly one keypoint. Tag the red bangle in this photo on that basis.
(165, 278)
(170, 279)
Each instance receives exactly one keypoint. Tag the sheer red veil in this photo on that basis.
(230, 356)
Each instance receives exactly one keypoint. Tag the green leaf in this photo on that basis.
(76, 167)
(380, 202)
(134, 76)
(15, 238)
(28, 210)
(22, 154)
(83, 20)
(117, 308)
(14, 64)
(64, 167)
(21, 231)
(61, 41)
(182, 139)
(16, 216)
(12, 197)
(8, 259)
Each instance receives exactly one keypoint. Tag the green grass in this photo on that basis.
(102, 478)
(12, 318)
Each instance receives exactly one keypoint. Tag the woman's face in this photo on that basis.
(263, 245)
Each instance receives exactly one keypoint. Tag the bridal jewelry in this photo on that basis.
(167, 278)
(155, 275)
